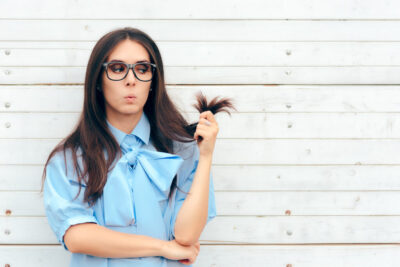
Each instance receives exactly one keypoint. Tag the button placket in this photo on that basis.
(131, 145)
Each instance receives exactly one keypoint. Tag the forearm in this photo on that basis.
(192, 216)
(97, 240)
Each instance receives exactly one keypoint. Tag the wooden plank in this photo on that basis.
(275, 125)
(254, 203)
(247, 98)
(28, 177)
(203, 30)
(255, 9)
(257, 178)
(215, 54)
(252, 178)
(306, 151)
(34, 256)
(229, 255)
(220, 75)
(246, 151)
(245, 230)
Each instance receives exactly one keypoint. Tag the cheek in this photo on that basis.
(145, 96)
(110, 94)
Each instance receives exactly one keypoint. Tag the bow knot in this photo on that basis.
(131, 146)
(133, 194)
(132, 157)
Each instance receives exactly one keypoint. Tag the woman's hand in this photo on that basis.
(208, 129)
(187, 261)
(185, 254)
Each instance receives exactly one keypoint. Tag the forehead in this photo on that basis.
(129, 51)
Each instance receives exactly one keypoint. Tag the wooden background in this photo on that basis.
(306, 173)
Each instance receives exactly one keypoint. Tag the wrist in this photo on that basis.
(162, 247)
(205, 157)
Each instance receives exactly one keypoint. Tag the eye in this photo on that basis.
(117, 67)
(142, 68)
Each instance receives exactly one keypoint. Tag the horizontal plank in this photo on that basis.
(305, 151)
(257, 178)
(34, 256)
(302, 230)
(220, 75)
(255, 9)
(253, 203)
(229, 255)
(247, 98)
(276, 125)
(245, 151)
(202, 30)
(210, 54)
(245, 230)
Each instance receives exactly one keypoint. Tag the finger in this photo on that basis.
(197, 134)
(203, 127)
(201, 132)
(204, 121)
(208, 115)
(207, 130)
(204, 114)
(187, 262)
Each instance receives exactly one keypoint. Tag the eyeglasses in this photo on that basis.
(117, 71)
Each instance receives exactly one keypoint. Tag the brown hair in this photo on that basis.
(92, 136)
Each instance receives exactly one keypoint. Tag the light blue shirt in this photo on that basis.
(135, 196)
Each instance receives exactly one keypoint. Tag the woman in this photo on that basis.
(131, 185)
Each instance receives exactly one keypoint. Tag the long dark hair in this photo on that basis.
(91, 135)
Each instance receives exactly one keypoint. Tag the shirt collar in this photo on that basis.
(142, 130)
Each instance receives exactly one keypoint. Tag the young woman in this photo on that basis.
(131, 185)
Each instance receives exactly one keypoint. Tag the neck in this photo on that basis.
(125, 123)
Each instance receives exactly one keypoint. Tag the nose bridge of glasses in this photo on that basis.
(131, 67)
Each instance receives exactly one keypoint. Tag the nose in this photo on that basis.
(130, 77)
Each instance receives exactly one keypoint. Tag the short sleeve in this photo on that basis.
(61, 207)
(185, 185)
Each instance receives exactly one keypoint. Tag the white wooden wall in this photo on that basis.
(307, 172)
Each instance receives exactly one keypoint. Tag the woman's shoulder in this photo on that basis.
(62, 161)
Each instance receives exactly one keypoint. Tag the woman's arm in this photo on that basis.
(97, 240)
(192, 216)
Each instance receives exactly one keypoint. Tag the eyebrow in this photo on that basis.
(139, 61)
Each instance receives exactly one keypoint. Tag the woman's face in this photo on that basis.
(126, 97)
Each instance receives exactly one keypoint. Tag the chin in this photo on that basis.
(130, 111)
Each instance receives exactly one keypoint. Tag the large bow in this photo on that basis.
(139, 180)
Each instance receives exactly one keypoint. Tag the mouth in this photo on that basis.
(130, 97)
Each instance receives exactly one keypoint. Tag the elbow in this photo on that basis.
(187, 236)
(186, 239)
(75, 236)
(68, 241)
(71, 238)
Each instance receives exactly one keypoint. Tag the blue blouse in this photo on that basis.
(135, 196)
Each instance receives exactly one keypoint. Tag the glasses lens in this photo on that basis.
(144, 71)
(116, 70)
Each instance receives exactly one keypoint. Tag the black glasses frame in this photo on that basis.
(130, 66)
